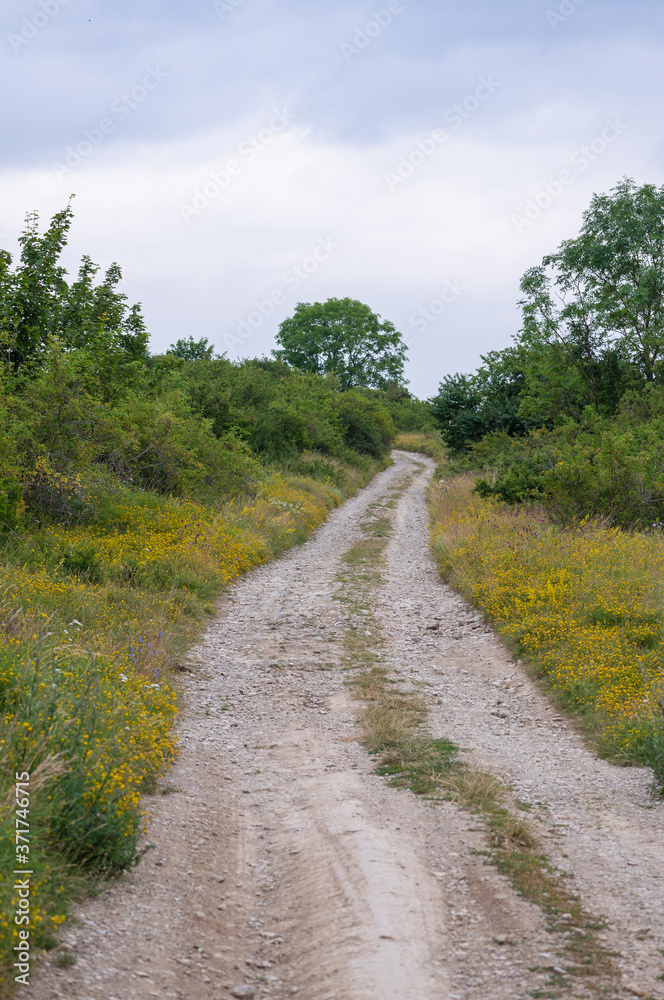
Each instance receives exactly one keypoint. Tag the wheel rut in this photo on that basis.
(278, 864)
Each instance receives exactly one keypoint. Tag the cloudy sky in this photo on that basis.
(239, 156)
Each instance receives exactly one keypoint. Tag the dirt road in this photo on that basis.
(282, 866)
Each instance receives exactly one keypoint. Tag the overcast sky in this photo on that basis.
(239, 156)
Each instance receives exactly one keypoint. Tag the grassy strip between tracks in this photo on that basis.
(395, 732)
(93, 621)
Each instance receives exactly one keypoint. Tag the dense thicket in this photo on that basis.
(468, 407)
(573, 414)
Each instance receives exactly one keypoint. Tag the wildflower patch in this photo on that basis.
(584, 606)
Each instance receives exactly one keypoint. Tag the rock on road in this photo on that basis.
(280, 865)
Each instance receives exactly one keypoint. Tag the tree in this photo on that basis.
(37, 303)
(191, 350)
(469, 406)
(345, 338)
(593, 311)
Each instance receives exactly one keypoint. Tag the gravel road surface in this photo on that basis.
(280, 865)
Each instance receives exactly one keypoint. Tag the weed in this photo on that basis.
(426, 444)
(65, 959)
(583, 606)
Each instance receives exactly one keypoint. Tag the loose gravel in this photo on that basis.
(279, 865)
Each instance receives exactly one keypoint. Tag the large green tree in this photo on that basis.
(593, 311)
(345, 338)
(188, 349)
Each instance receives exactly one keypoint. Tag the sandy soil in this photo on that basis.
(281, 866)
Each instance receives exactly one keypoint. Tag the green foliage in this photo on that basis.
(426, 443)
(132, 488)
(205, 429)
(518, 482)
(593, 311)
(366, 425)
(648, 747)
(573, 415)
(611, 467)
(468, 407)
(345, 338)
(84, 406)
(11, 496)
(37, 304)
(281, 412)
(409, 415)
(66, 706)
(189, 349)
(69, 438)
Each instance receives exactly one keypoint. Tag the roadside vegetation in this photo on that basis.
(425, 442)
(133, 488)
(553, 524)
(572, 414)
(581, 605)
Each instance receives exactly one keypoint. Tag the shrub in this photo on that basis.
(367, 426)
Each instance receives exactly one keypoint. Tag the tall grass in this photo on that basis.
(584, 606)
(424, 442)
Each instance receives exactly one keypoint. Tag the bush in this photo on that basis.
(611, 468)
(366, 425)
(134, 488)
(11, 502)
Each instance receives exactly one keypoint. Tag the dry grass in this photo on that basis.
(425, 444)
